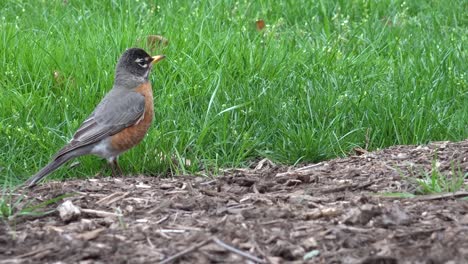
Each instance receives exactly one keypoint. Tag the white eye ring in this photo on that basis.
(143, 65)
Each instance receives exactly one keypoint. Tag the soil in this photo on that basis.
(336, 211)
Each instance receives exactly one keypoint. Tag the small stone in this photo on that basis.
(68, 211)
(402, 156)
(129, 209)
(310, 243)
(298, 252)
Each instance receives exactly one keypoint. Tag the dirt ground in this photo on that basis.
(331, 212)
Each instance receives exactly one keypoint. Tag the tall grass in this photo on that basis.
(321, 78)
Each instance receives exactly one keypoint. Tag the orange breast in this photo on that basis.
(131, 136)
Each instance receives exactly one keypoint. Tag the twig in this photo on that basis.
(353, 187)
(310, 166)
(162, 219)
(420, 232)
(100, 213)
(338, 189)
(355, 229)
(161, 206)
(272, 222)
(300, 171)
(189, 188)
(177, 192)
(237, 251)
(185, 252)
(35, 252)
(257, 246)
(10, 261)
(208, 182)
(220, 243)
(225, 195)
(164, 235)
(430, 197)
(171, 231)
(186, 228)
(108, 200)
(149, 242)
(363, 185)
(91, 234)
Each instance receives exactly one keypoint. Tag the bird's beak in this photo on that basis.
(157, 58)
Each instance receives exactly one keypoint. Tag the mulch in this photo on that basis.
(336, 211)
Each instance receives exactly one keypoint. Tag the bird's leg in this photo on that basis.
(116, 164)
(112, 166)
(112, 161)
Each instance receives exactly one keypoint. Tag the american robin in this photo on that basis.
(121, 119)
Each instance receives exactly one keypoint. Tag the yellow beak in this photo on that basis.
(157, 58)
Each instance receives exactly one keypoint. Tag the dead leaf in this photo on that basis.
(260, 24)
(360, 151)
(154, 42)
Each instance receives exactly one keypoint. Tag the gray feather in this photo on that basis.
(114, 113)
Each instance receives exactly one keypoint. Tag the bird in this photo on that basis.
(119, 122)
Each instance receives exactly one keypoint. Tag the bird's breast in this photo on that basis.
(132, 135)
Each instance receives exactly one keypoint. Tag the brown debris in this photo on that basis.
(153, 43)
(260, 24)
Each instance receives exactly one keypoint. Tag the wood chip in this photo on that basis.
(100, 213)
(91, 234)
(142, 185)
(265, 163)
(325, 212)
(171, 231)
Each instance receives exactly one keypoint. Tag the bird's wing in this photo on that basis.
(112, 115)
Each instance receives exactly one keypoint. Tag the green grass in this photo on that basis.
(322, 78)
(14, 205)
(438, 182)
(433, 182)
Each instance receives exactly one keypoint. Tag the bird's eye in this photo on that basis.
(142, 63)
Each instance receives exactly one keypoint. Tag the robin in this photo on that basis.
(119, 122)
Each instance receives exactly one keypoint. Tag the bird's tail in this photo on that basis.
(53, 165)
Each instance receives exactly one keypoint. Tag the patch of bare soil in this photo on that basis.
(330, 212)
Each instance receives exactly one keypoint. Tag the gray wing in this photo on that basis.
(115, 112)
